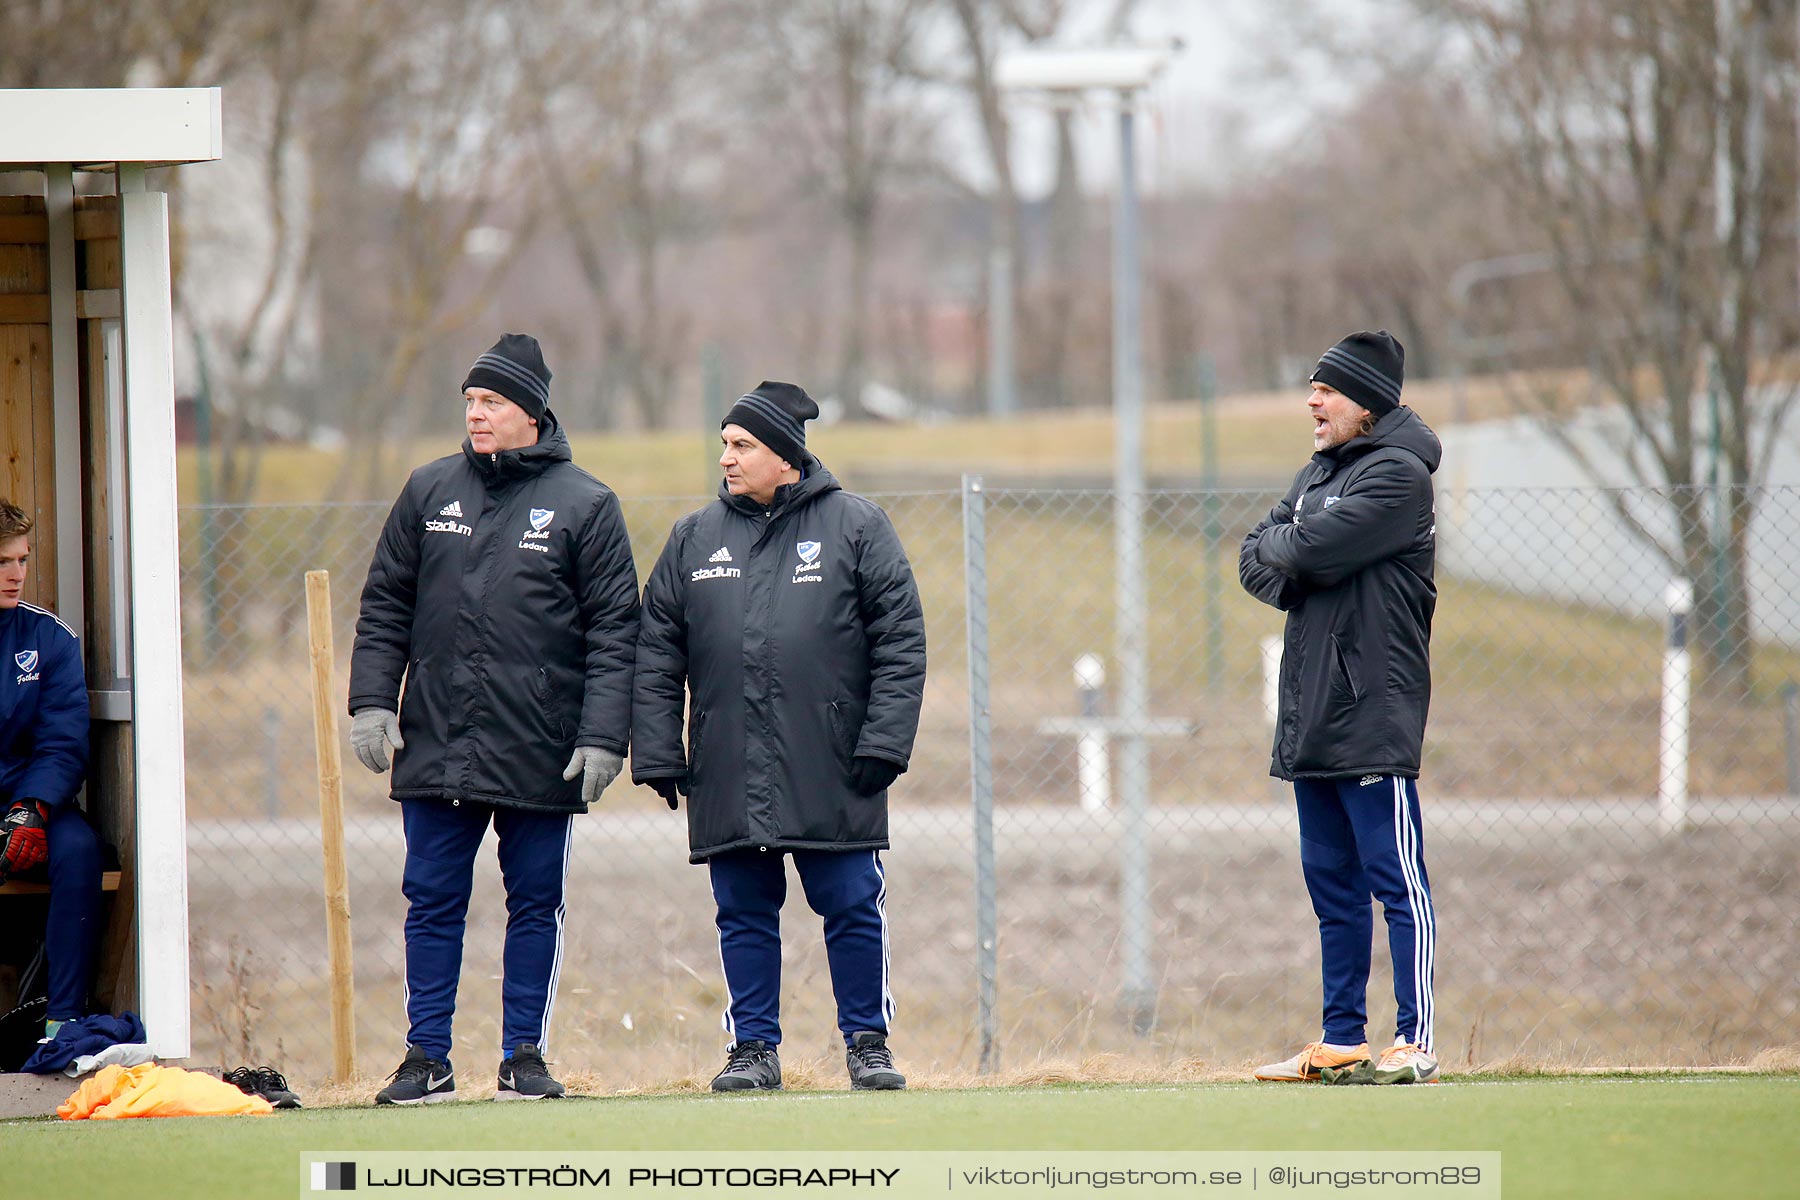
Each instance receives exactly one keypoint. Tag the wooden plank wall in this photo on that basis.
(28, 477)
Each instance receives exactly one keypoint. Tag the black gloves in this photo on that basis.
(669, 787)
(871, 776)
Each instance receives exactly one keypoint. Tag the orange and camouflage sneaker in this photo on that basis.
(1306, 1066)
(1357, 1073)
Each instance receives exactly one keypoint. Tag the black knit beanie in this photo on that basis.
(514, 367)
(776, 413)
(1368, 368)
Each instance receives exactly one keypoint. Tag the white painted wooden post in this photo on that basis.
(161, 825)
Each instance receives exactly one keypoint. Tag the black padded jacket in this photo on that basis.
(1348, 555)
(502, 588)
(794, 638)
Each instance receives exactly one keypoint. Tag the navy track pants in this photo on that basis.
(1362, 837)
(846, 887)
(441, 840)
(72, 926)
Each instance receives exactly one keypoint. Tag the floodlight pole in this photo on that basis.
(1125, 71)
(1130, 611)
(1002, 381)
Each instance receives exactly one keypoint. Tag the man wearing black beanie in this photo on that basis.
(1348, 555)
(784, 620)
(503, 592)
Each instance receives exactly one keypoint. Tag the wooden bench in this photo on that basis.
(109, 882)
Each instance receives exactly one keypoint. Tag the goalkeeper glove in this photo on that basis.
(23, 844)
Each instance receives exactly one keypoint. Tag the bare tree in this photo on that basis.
(52, 43)
(852, 94)
(418, 148)
(1051, 286)
(260, 48)
(634, 104)
(1642, 155)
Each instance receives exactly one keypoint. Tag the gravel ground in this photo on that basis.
(1568, 933)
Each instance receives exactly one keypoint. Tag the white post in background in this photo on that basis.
(1677, 678)
(1271, 664)
(1093, 763)
(1271, 660)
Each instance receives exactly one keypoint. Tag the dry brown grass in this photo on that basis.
(819, 1074)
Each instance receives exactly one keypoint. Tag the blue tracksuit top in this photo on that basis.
(43, 707)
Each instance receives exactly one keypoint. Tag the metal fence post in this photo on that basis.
(1790, 726)
(981, 769)
(272, 805)
(712, 403)
(1209, 507)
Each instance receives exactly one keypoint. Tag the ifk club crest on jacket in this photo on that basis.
(502, 589)
(1348, 554)
(43, 708)
(799, 637)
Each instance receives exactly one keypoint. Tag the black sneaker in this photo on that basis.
(872, 1064)
(752, 1067)
(266, 1082)
(419, 1079)
(523, 1076)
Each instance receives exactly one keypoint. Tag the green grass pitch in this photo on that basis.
(1589, 1137)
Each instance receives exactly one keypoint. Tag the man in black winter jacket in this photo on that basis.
(503, 590)
(1347, 554)
(784, 618)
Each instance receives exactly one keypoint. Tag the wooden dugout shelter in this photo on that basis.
(87, 410)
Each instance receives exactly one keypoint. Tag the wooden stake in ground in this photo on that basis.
(331, 825)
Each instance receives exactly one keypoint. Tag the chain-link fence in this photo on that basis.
(1611, 826)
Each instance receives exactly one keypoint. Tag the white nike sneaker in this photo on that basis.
(1406, 1063)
